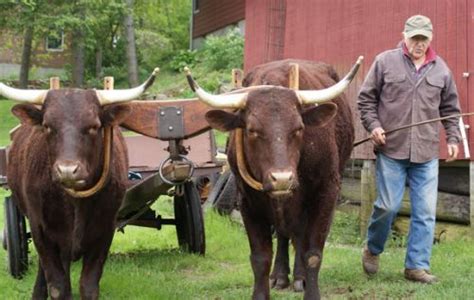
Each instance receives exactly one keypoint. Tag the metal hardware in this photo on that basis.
(466, 74)
(170, 182)
(171, 123)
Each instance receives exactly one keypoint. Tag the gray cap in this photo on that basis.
(418, 25)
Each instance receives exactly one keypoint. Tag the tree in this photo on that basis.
(130, 41)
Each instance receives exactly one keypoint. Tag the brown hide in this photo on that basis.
(68, 129)
(316, 156)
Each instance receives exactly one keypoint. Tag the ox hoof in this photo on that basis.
(298, 285)
(279, 283)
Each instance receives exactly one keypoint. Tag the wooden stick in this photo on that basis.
(237, 77)
(54, 83)
(415, 124)
(108, 83)
(294, 77)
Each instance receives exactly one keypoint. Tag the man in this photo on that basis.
(407, 85)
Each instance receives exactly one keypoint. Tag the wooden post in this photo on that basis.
(367, 195)
(471, 195)
(108, 83)
(294, 77)
(54, 83)
(237, 77)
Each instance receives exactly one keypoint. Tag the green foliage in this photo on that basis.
(223, 52)
(154, 48)
(184, 58)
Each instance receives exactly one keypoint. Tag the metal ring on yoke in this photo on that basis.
(165, 180)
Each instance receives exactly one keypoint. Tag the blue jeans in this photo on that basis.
(391, 177)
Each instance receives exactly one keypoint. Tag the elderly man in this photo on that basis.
(403, 86)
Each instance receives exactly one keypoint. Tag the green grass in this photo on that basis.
(7, 121)
(146, 264)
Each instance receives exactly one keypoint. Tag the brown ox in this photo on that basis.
(288, 165)
(55, 168)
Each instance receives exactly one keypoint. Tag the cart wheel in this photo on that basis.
(223, 196)
(189, 220)
(16, 239)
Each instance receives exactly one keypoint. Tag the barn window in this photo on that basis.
(55, 41)
(195, 6)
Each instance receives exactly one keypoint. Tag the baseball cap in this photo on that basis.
(418, 25)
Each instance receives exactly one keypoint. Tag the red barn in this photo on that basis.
(338, 31)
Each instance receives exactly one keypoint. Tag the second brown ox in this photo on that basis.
(58, 174)
(287, 155)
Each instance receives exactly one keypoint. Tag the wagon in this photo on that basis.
(173, 154)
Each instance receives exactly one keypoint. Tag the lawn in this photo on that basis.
(146, 263)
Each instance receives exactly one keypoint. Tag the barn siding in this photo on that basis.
(216, 14)
(338, 31)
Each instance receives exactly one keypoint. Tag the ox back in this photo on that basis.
(272, 115)
(67, 131)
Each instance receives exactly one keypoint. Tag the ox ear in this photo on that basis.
(28, 114)
(223, 121)
(114, 114)
(320, 115)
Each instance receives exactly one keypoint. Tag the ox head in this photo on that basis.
(274, 122)
(72, 121)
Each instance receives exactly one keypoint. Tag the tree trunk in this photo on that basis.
(78, 52)
(99, 54)
(26, 57)
(130, 42)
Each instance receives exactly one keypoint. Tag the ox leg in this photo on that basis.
(298, 269)
(281, 269)
(260, 239)
(316, 233)
(40, 290)
(93, 265)
(57, 279)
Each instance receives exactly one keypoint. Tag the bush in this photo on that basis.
(154, 48)
(184, 58)
(223, 52)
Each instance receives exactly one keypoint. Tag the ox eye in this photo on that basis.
(253, 133)
(298, 132)
(48, 129)
(93, 130)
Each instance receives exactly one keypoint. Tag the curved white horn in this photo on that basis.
(222, 101)
(115, 96)
(21, 95)
(324, 95)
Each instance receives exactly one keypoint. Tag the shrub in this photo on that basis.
(223, 52)
(184, 58)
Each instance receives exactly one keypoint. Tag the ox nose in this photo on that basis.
(68, 173)
(281, 181)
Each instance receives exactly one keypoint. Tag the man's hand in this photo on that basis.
(378, 136)
(453, 151)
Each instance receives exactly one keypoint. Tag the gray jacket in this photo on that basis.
(391, 97)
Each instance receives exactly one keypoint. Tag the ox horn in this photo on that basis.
(236, 100)
(21, 95)
(324, 95)
(114, 96)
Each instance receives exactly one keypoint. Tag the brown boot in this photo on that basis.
(370, 262)
(420, 275)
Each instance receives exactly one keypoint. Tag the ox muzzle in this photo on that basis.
(280, 184)
(70, 174)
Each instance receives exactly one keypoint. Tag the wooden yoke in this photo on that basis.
(144, 117)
